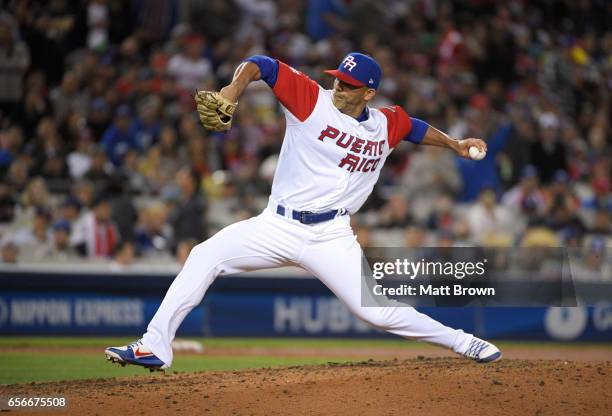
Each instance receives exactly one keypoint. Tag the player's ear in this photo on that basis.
(370, 93)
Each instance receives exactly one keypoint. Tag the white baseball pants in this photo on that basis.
(329, 250)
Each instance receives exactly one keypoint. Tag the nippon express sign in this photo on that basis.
(69, 313)
(27, 313)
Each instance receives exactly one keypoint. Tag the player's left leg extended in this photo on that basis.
(337, 263)
(258, 243)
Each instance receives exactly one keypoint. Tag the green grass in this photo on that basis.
(24, 367)
(48, 365)
(101, 342)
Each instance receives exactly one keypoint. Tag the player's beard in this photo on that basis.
(339, 102)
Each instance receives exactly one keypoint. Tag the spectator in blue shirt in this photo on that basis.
(146, 126)
(119, 137)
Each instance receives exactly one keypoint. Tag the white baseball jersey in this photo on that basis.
(328, 159)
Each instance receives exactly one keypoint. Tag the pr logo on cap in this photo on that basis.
(349, 62)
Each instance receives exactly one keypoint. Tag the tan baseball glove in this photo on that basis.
(215, 111)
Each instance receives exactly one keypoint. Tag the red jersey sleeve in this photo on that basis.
(296, 91)
(398, 124)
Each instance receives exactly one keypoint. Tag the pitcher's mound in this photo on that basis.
(424, 386)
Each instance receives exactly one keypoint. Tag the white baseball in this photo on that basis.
(476, 154)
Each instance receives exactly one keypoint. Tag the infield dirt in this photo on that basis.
(422, 386)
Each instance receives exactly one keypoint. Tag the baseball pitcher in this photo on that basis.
(333, 151)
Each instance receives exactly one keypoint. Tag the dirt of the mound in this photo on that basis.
(425, 386)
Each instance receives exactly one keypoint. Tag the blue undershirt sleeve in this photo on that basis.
(267, 66)
(417, 133)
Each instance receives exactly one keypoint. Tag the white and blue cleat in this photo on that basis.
(135, 354)
(482, 351)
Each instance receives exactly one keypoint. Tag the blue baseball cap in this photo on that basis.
(358, 70)
(62, 225)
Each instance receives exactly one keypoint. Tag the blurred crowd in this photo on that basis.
(102, 156)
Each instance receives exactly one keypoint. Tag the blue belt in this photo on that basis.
(308, 217)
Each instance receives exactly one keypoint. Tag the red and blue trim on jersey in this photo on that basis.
(294, 90)
(402, 127)
(299, 94)
(268, 68)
